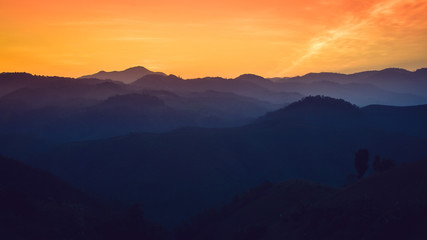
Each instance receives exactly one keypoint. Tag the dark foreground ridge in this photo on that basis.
(179, 147)
(37, 205)
(179, 173)
(388, 205)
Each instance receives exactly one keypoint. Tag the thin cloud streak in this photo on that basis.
(351, 28)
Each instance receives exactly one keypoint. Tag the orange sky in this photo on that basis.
(194, 38)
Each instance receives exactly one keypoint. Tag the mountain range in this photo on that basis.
(388, 205)
(180, 146)
(392, 86)
(126, 76)
(35, 204)
(76, 109)
(313, 139)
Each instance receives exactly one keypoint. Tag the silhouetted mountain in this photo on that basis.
(151, 111)
(209, 166)
(37, 91)
(390, 86)
(256, 80)
(68, 109)
(316, 108)
(33, 98)
(83, 130)
(240, 86)
(222, 106)
(37, 205)
(323, 110)
(252, 214)
(244, 88)
(361, 94)
(13, 81)
(322, 104)
(390, 205)
(126, 76)
(373, 77)
(421, 73)
(160, 82)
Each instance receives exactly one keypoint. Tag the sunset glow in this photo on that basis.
(212, 38)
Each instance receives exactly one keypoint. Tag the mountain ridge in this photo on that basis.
(224, 161)
(386, 205)
(128, 75)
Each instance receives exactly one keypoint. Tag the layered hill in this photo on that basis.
(126, 76)
(241, 86)
(209, 166)
(34, 204)
(387, 87)
(392, 86)
(388, 205)
(66, 109)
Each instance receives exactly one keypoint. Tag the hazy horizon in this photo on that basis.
(212, 38)
(207, 76)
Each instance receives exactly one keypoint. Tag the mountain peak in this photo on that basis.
(136, 68)
(421, 71)
(315, 107)
(252, 78)
(250, 75)
(321, 102)
(127, 76)
(394, 70)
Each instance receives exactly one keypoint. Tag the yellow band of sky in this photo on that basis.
(212, 38)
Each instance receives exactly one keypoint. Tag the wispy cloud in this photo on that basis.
(353, 27)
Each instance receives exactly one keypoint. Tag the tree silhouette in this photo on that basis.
(361, 159)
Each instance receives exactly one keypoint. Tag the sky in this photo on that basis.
(195, 38)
